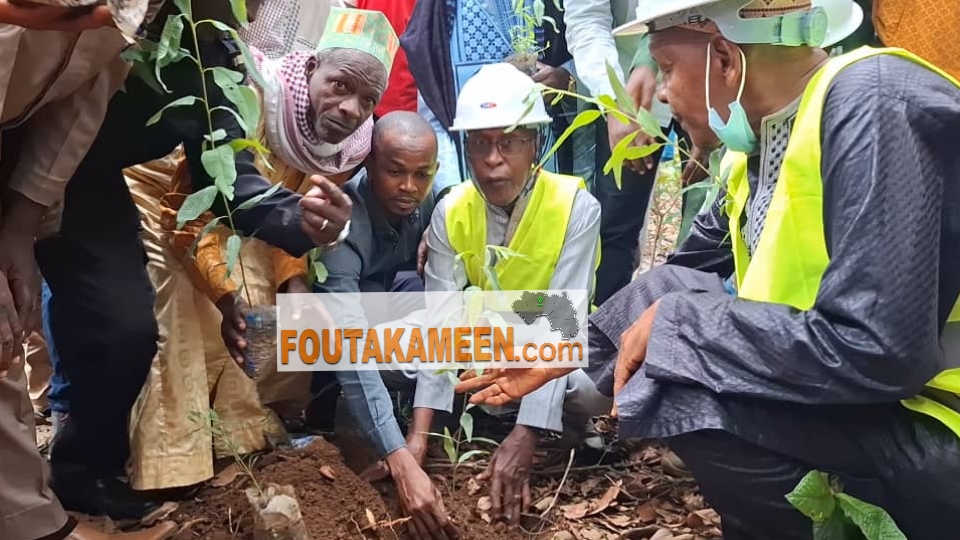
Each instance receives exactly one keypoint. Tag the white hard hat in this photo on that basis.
(499, 96)
(817, 23)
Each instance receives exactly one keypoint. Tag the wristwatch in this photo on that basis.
(339, 239)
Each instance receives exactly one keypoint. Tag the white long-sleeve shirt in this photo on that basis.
(591, 42)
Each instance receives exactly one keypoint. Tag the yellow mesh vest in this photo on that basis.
(537, 241)
(791, 254)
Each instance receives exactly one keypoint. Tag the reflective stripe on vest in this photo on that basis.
(537, 241)
(791, 255)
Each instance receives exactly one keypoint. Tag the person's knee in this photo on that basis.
(582, 399)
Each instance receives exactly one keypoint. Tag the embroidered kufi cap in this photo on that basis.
(362, 30)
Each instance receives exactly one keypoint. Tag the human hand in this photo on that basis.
(19, 296)
(509, 472)
(422, 252)
(416, 445)
(234, 325)
(501, 386)
(19, 265)
(633, 350)
(419, 499)
(37, 16)
(11, 331)
(326, 211)
(554, 77)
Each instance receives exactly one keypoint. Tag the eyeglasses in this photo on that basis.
(508, 147)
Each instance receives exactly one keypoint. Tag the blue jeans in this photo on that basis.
(58, 395)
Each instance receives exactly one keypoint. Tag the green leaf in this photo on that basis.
(143, 71)
(470, 454)
(244, 50)
(168, 50)
(222, 74)
(244, 97)
(638, 152)
(649, 124)
(220, 165)
(185, 101)
(448, 446)
(240, 122)
(617, 156)
(813, 497)
(538, 11)
(239, 145)
(625, 103)
(196, 204)
(205, 231)
(485, 441)
(466, 423)
(492, 278)
(874, 522)
(233, 252)
(252, 201)
(836, 527)
(218, 136)
(585, 118)
(714, 167)
(239, 8)
(184, 7)
(320, 273)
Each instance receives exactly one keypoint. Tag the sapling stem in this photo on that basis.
(206, 106)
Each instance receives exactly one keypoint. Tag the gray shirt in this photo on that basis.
(575, 270)
(371, 254)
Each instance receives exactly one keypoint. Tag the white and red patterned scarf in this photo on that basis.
(289, 127)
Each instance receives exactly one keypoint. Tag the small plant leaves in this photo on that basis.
(320, 273)
(196, 204)
(248, 61)
(466, 423)
(206, 230)
(649, 124)
(585, 118)
(448, 446)
(239, 8)
(625, 103)
(185, 101)
(242, 96)
(874, 522)
(218, 136)
(813, 497)
(168, 50)
(836, 527)
(236, 115)
(219, 165)
(233, 252)
(469, 455)
(253, 201)
(636, 152)
(184, 7)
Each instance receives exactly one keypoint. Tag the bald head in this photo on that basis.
(403, 126)
(402, 162)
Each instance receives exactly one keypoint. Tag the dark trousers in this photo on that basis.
(906, 463)
(101, 315)
(622, 215)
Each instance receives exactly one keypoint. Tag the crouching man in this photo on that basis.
(838, 351)
(552, 225)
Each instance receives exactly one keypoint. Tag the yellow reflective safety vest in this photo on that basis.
(536, 243)
(791, 255)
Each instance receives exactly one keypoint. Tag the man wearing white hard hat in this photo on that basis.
(810, 320)
(550, 221)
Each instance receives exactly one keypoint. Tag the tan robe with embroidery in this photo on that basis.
(192, 372)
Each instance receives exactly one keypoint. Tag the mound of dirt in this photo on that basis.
(335, 503)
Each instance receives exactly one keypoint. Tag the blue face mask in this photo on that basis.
(736, 133)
